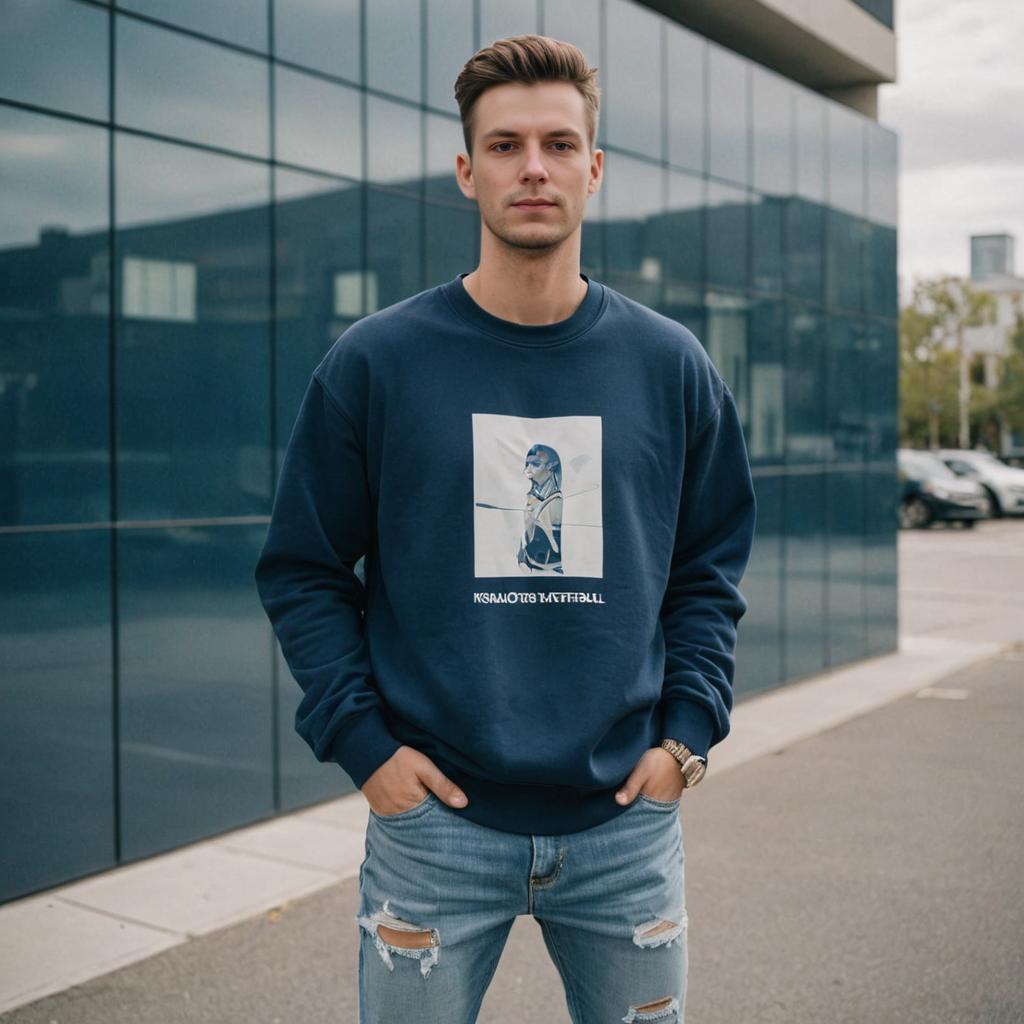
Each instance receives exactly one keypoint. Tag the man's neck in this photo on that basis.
(532, 297)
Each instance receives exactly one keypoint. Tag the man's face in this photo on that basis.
(532, 161)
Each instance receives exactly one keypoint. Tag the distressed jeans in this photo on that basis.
(438, 895)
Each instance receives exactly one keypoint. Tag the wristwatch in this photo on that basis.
(692, 765)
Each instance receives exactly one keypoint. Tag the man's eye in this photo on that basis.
(569, 144)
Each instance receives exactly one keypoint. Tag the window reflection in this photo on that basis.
(773, 132)
(393, 144)
(633, 101)
(54, 300)
(450, 44)
(500, 19)
(728, 111)
(55, 54)
(726, 235)
(444, 143)
(317, 124)
(319, 34)
(634, 207)
(686, 54)
(684, 227)
(393, 62)
(192, 227)
(242, 21)
(176, 85)
(846, 184)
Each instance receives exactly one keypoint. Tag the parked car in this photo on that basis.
(1003, 484)
(932, 492)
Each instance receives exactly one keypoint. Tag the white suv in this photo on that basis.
(1004, 484)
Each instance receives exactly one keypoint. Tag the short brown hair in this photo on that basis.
(526, 59)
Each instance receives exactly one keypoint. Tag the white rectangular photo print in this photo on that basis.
(537, 496)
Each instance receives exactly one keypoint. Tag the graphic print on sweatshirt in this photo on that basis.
(537, 496)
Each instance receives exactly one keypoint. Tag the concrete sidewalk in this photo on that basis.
(84, 930)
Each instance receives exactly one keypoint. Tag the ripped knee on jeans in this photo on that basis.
(393, 935)
(664, 1010)
(659, 932)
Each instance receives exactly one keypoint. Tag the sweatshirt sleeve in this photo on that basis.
(320, 526)
(702, 604)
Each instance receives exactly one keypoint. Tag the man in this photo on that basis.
(522, 743)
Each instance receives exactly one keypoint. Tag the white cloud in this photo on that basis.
(958, 109)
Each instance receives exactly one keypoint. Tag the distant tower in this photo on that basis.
(991, 256)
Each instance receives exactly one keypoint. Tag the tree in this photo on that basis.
(935, 392)
(1008, 408)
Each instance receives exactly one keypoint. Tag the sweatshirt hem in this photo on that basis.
(531, 810)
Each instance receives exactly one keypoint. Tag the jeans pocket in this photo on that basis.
(410, 812)
(659, 805)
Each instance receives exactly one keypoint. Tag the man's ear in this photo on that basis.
(464, 175)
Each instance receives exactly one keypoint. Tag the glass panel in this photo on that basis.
(725, 338)
(633, 96)
(634, 205)
(685, 60)
(452, 241)
(55, 54)
(726, 235)
(759, 647)
(880, 282)
(450, 44)
(192, 342)
(844, 490)
(191, 89)
(883, 175)
(393, 144)
(242, 21)
(845, 262)
(319, 278)
(317, 123)
(810, 145)
(501, 20)
(320, 34)
(881, 350)
(803, 494)
(196, 751)
(54, 301)
(56, 739)
(767, 215)
(393, 41)
(394, 245)
(773, 131)
(728, 115)
(805, 249)
(444, 143)
(683, 233)
(846, 185)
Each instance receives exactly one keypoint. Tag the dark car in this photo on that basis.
(932, 492)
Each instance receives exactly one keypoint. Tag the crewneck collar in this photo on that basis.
(585, 316)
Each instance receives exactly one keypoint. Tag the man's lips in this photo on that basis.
(534, 203)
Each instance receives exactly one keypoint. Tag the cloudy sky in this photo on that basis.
(958, 106)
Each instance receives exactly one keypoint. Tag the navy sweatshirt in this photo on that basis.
(553, 522)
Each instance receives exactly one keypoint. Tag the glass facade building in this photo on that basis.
(196, 204)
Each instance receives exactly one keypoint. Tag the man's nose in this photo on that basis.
(533, 166)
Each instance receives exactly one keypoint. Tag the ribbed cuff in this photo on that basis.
(690, 724)
(363, 745)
